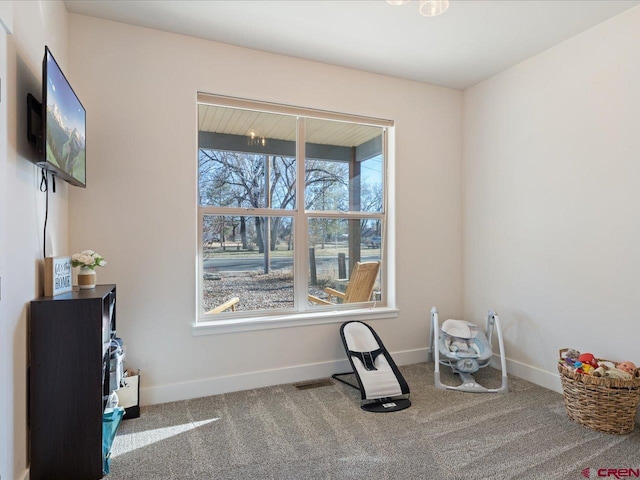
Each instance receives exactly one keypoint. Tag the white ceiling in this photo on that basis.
(472, 41)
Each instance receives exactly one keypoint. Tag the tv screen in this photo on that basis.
(64, 125)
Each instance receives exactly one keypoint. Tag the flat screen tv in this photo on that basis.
(63, 117)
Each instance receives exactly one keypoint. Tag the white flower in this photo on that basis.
(88, 258)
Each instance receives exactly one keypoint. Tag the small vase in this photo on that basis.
(86, 278)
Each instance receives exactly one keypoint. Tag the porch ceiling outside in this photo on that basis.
(249, 123)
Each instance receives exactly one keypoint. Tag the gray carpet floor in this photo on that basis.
(281, 432)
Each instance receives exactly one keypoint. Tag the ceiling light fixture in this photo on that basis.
(428, 8)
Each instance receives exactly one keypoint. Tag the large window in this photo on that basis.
(291, 210)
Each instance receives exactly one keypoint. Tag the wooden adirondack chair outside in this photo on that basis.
(360, 286)
(229, 304)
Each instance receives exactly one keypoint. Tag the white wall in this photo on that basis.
(551, 192)
(6, 21)
(22, 213)
(139, 208)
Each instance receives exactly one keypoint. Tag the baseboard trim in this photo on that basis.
(532, 374)
(264, 378)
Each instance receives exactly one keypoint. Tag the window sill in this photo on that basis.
(293, 320)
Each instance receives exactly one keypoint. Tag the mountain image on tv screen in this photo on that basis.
(65, 122)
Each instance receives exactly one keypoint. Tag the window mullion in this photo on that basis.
(301, 224)
(245, 212)
(354, 215)
(200, 266)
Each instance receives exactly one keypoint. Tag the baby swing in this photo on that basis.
(465, 348)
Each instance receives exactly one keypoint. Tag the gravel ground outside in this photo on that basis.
(256, 290)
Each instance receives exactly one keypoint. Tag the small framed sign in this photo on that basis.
(57, 275)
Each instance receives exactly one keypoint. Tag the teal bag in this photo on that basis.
(111, 419)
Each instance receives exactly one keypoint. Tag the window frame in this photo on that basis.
(301, 314)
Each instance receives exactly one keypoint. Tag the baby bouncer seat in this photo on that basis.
(382, 387)
(465, 348)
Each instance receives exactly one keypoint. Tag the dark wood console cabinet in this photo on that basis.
(69, 337)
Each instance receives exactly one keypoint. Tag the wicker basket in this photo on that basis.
(603, 404)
